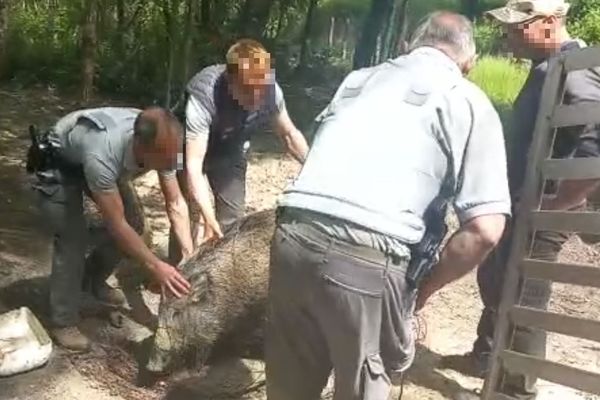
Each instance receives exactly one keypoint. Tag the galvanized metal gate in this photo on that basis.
(552, 115)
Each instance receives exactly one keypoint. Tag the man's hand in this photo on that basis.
(170, 279)
(466, 249)
(425, 291)
(294, 141)
(201, 192)
(178, 213)
(210, 231)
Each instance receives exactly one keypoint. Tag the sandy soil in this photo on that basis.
(109, 371)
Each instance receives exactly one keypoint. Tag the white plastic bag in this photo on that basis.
(24, 344)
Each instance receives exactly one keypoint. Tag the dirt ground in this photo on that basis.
(109, 371)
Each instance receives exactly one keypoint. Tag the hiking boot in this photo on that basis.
(71, 338)
(107, 294)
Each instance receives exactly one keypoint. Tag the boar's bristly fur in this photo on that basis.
(229, 281)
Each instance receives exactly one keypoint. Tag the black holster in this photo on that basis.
(45, 161)
(424, 255)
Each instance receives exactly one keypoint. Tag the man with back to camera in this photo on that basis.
(226, 104)
(96, 149)
(536, 30)
(396, 139)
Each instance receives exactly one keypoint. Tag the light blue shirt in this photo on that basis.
(391, 136)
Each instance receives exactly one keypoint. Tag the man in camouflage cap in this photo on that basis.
(535, 30)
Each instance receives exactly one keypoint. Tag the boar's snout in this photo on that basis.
(160, 353)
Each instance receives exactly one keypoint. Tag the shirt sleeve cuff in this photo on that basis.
(497, 207)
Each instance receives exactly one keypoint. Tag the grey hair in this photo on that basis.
(447, 31)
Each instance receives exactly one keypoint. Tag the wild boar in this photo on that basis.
(228, 298)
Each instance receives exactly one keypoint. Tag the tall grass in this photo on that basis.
(500, 78)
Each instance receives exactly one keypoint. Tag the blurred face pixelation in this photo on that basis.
(252, 81)
(166, 154)
(536, 37)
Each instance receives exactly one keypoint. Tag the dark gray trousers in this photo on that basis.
(335, 305)
(536, 294)
(61, 206)
(227, 180)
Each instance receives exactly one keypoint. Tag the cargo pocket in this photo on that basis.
(375, 382)
(51, 201)
(397, 337)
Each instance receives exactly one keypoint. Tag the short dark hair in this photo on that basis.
(151, 121)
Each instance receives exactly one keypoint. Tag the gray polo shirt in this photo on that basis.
(100, 141)
(581, 86)
(389, 139)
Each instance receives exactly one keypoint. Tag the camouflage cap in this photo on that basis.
(517, 11)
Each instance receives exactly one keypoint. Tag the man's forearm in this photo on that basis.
(464, 251)
(296, 145)
(180, 221)
(200, 190)
(571, 193)
(131, 243)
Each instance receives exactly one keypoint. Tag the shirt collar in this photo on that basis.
(437, 55)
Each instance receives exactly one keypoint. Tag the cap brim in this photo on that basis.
(508, 16)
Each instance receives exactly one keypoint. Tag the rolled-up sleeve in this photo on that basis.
(482, 186)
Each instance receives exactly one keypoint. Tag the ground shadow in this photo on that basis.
(29, 385)
(34, 294)
(423, 373)
(228, 379)
(462, 363)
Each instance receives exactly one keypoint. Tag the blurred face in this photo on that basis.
(163, 155)
(249, 85)
(536, 38)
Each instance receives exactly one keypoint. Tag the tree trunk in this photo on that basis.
(254, 17)
(470, 8)
(205, 13)
(398, 43)
(88, 48)
(3, 35)
(367, 43)
(331, 31)
(345, 38)
(120, 39)
(283, 4)
(187, 45)
(169, 7)
(305, 46)
(390, 32)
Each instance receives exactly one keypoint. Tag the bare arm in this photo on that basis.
(111, 207)
(178, 213)
(466, 249)
(292, 138)
(199, 187)
(571, 193)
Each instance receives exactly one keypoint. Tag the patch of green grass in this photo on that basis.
(500, 78)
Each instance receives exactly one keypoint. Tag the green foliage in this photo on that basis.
(500, 78)
(488, 38)
(584, 21)
(43, 44)
(354, 8)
